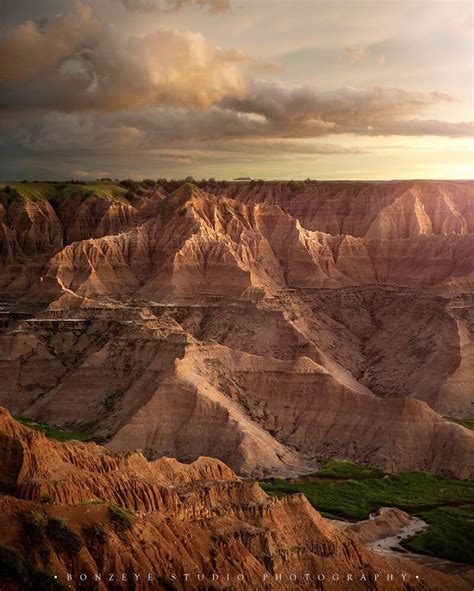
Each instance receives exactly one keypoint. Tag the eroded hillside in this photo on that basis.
(271, 325)
(72, 508)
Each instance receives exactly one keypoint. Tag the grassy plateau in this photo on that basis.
(56, 191)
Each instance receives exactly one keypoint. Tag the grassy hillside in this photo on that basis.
(33, 191)
(106, 191)
(55, 191)
(353, 492)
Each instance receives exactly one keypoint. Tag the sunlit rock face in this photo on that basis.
(270, 325)
(178, 516)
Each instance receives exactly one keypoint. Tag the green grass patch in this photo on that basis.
(106, 191)
(444, 503)
(357, 498)
(121, 519)
(469, 424)
(450, 534)
(56, 191)
(33, 191)
(347, 470)
(56, 433)
(64, 538)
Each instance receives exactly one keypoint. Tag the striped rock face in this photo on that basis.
(273, 326)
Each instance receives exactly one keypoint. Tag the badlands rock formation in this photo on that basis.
(271, 325)
(195, 520)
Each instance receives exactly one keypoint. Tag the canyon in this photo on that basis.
(210, 334)
(272, 325)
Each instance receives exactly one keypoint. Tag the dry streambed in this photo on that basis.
(386, 528)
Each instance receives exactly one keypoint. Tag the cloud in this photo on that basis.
(213, 6)
(57, 133)
(178, 157)
(89, 174)
(164, 67)
(420, 127)
(356, 52)
(165, 141)
(119, 133)
(169, 89)
(302, 111)
(29, 48)
(273, 146)
(177, 133)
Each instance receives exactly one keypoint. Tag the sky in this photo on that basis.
(270, 89)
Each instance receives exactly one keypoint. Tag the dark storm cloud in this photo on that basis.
(145, 132)
(29, 48)
(304, 112)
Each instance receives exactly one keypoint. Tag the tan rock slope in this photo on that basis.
(271, 325)
(389, 210)
(185, 521)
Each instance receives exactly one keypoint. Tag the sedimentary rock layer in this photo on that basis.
(272, 325)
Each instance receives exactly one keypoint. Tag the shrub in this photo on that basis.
(131, 185)
(13, 567)
(95, 533)
(64, 538)
(9, 194)
(34, 526)
(121, 519)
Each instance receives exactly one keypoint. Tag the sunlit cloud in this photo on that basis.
(29, 49)
(192, 83)
(213, 6)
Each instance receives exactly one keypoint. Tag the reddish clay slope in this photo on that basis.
(181, 516)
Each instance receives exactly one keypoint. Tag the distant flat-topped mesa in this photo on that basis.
(272, 325)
